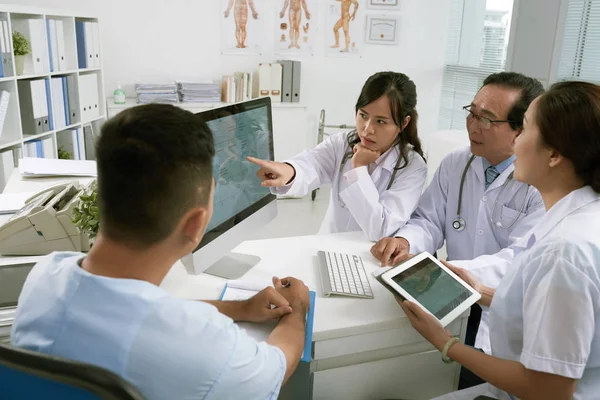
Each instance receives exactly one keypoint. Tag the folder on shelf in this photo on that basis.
(7, 166)
(52, 44)
(89, 44)
(80, 144)
(88, 95)
(48, 148)
(3, 51)
(276, 75)
(4, 99)
(96, 43)
(296, 81)
(286, 81)
(34, 109)
(58, 103)
(34, 149)
(37, 43)
(49, 104)
(72, 99)
(67, 141)
(7, 49)
(89, 140)
(60, 45)
(243, 290)
(82, 51)
(264, 80)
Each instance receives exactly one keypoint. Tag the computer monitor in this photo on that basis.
(242, 205)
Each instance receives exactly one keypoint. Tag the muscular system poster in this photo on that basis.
(295, 26)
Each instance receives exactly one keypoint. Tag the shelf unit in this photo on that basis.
(15, 133)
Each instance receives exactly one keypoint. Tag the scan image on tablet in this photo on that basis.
(427, 282)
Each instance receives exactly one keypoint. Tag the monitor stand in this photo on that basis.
(233, 265)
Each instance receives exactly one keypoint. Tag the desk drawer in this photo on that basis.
(374, 341)
(414, 377)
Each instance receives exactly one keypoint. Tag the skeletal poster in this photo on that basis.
(241, 27)
(296, 26)
(344, 32)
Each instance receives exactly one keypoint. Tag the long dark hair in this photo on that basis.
(568, 117)
(402, 96)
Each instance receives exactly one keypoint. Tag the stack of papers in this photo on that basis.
(43, 167)
(10, 203)
(156, 93)
(199, 92)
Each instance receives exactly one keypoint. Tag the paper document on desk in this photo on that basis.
(44, 167)
(243, 290)
(10, 203)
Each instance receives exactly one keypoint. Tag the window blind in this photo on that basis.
(477, 41)
(580, 54)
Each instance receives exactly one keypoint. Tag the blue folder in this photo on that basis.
(310, 316)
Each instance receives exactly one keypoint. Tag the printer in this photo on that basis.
(44, 224)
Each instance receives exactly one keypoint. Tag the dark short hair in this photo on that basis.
(401, 93)
(568, 117)
(155, 162)
(529, 89)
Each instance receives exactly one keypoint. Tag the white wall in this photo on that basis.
(145, 40)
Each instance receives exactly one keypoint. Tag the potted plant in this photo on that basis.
(63, 154)
(86, 215)
(21, 49)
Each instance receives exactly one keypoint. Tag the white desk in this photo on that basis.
(363, 348)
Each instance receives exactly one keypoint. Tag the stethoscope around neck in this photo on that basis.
(459, 224)
(349, 155)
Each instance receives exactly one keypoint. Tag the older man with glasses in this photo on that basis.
(473, 203)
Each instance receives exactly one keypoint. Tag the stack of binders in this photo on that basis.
(199, 92)
(280, 81)
(36, 106)
(156, 93)
(88, 44)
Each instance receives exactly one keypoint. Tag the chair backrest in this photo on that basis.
(26, 374)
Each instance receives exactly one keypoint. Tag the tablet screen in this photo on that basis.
(433, 287)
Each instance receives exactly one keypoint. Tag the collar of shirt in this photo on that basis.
(387, 160)
(499, 167)
(567, 205)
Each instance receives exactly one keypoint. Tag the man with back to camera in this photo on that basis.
(155, 191)
(495, 210)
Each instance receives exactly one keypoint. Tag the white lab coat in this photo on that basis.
(359, 200)
(546, 312)
(482, 247)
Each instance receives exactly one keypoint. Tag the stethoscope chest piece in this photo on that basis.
(458, 224)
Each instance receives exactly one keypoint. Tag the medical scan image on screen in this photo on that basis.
(237, 186)
(432, 287)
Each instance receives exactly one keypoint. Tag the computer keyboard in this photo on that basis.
(343, 274)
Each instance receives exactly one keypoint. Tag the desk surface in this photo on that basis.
(335, 316)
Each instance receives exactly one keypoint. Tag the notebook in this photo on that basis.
(242, 290)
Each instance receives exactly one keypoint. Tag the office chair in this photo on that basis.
(26, 374)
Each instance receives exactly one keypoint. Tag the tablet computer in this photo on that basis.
(424, 280)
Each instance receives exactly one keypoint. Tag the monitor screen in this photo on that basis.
(239, 130)
(432, 287)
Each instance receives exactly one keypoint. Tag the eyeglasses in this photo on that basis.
(485, 122)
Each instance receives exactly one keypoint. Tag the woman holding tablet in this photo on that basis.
(545, 314)
(376, 172)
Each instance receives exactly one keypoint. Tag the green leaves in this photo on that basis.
(20, 44)
(63, 154)
(86, 215)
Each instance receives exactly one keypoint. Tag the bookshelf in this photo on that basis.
(58, 40)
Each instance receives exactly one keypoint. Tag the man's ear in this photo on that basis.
(555, 158)
(194, 224)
